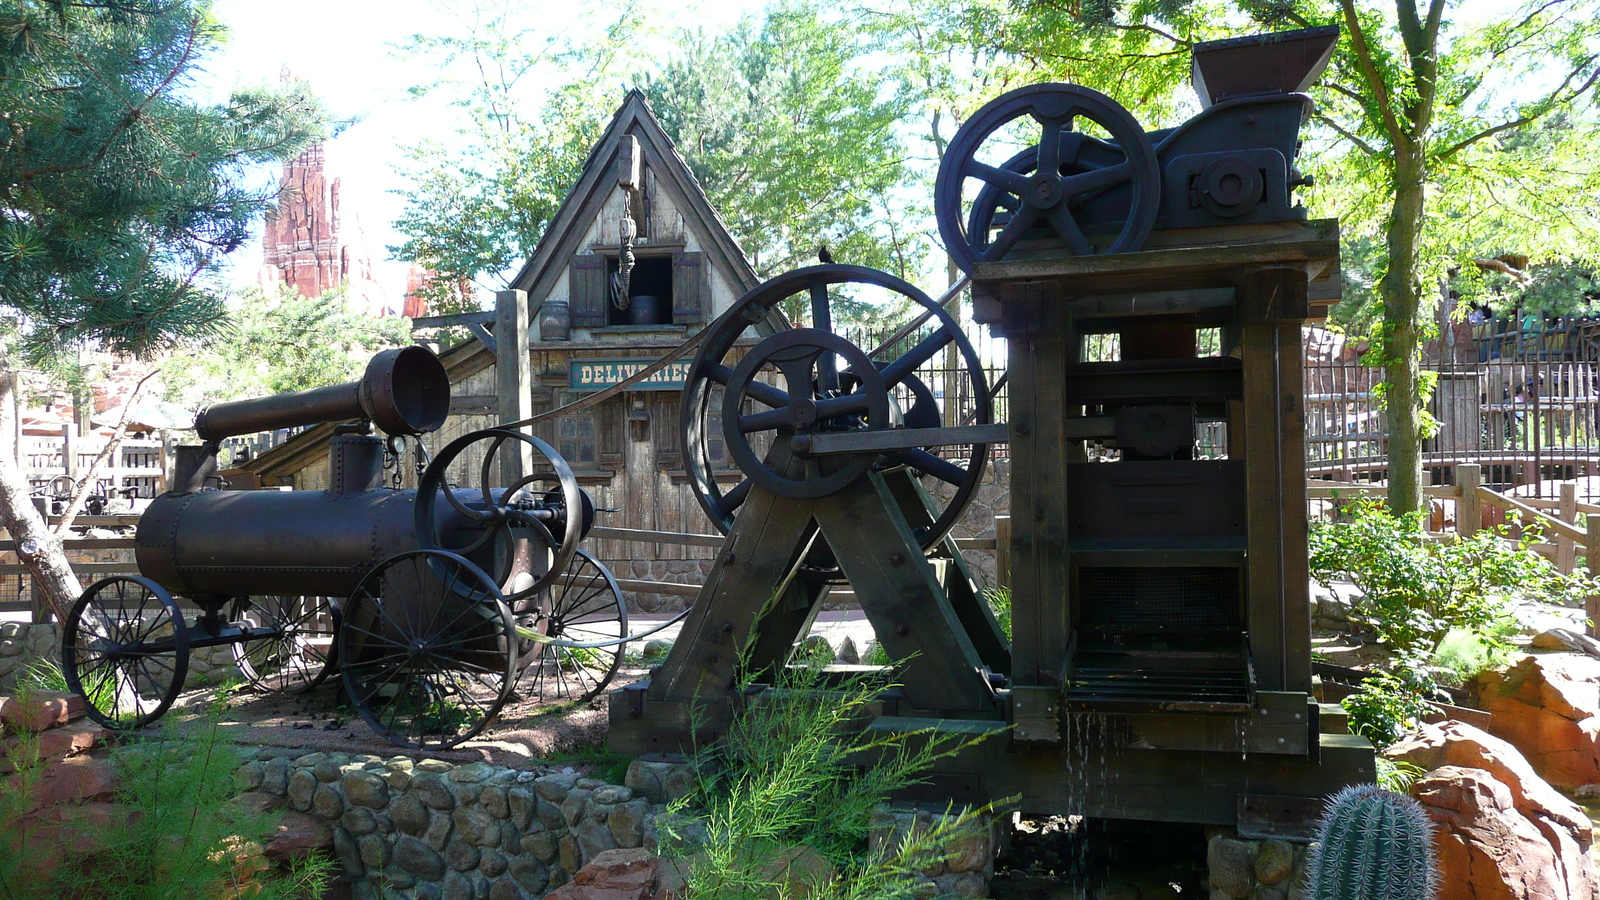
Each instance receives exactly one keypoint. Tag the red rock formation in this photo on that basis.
(309, 243)
(1503, 832)
(1549, 707)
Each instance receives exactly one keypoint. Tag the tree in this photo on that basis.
(118, 195)
(792, 137)
(1434, 137)
(279, 342)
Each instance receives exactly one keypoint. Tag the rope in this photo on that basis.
(531, 635)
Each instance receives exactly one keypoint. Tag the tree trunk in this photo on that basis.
(1401, 331)
(37, 547)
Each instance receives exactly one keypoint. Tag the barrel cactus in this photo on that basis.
(1373, 844)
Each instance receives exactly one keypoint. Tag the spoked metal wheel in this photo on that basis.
(295, 651)
(806, 382)
(523, 533)
(582, 606)
(427, 650)
(125, 648)
(1092, 194)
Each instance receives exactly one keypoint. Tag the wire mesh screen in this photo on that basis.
(1180, 599)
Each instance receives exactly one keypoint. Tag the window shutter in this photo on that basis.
(691, 287)
(587, 287)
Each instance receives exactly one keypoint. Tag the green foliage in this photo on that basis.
(118, 193)
(278, 342)
(1373, 844)
(999, 600)
(794, 770)
(1463, 653)
(187, 840)
(1415, 589)
(792, 137)
(1396, 775)
(780, 119)
(1390, 702)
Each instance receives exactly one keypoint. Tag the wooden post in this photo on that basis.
(1591, 558)
(1002, 551)
(1469, 513)
(1566, 548)
(512, 382)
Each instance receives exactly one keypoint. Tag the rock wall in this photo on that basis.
(23, 645)
(432, 829)
(1239, 868)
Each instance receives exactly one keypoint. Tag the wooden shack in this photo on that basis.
(560, 333)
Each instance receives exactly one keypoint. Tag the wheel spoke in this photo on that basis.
(929, 464)
(1050, 147)
(1061, 220)
(834, 407)
(896, 372)
(822, 319)
(1095, 180)
(733, 499)
(766, 421)
(756, 390)
(1000, 178)
(1020, 222)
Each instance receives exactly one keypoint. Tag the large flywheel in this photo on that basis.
(821, 406)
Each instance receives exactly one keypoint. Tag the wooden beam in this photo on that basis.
(1552, 525)
(512, 377)
(453, 321)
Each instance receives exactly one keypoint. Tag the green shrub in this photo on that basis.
(1415, 590)
(797, 768)
(1391, 701)
(187, 839)
(1463, 653)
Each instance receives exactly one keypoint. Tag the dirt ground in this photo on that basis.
(526, 731)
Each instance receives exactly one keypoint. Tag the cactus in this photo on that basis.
(1373, 844)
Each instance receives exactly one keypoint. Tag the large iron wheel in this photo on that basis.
(523, 534)
(426, 649)
(294, 652)
(583, 606)
(125, 649)
(818, 396)
(1050, 182)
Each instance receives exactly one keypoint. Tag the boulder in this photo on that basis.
(40, 710)
(1566, 639)
(631, 874)
(1549, 708)
(1487, 850)
(298, 835)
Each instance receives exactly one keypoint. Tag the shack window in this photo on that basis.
(575, 438)
(649, 292)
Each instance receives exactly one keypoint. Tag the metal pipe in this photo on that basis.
(403, 391)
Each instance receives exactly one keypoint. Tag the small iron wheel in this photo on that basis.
(295, 651)
(125, 649)
(868, 393)
(583, 606)
(1050, 182)
(426, 649)
(523, 534)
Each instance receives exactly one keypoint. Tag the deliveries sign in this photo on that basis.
(594, 374)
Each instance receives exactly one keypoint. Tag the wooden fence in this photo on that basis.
(1563, 540)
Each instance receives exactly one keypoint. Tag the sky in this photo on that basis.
(343, 49)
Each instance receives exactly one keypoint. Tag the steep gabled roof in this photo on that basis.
(584, 202)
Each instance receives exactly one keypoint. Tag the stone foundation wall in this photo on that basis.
(1242, 869)
(433, 829)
